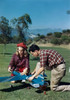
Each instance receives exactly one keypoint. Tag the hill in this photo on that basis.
(44, 31)
(33, 32)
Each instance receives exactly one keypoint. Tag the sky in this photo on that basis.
(43, 13)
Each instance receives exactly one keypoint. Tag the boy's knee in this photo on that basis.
(38, 63)
(53, 89)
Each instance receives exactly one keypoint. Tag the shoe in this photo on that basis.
(11, 86)
(23, 81)
(67, 88)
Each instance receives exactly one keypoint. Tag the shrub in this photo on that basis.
(57, 34)
(56, 41)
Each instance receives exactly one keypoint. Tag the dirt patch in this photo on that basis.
(52, 45)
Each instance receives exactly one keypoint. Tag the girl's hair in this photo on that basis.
(25, 53)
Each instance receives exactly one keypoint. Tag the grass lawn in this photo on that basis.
(19, 92)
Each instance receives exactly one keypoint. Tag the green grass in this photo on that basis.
(19, 92)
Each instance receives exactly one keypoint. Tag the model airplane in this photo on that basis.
(36, 82)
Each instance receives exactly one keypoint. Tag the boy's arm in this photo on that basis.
(34, 71)
(36, 74)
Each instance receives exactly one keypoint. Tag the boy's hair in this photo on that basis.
(33, 47)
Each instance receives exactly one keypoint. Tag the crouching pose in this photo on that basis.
(52, 60)
(20, 60)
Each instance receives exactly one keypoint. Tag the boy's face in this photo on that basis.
(35, 53)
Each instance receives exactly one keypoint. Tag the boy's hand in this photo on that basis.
(31, 78)
(32, 73)
(22, 73)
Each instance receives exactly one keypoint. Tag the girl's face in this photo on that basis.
(20, 50)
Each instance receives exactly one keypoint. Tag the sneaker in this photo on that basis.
(11, 86)
(67, 88)
(23, 81)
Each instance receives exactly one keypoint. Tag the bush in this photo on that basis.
(36, 39)
(57, 34)
(49, 34)
(65, 39)
(56, 41)
(42, 36)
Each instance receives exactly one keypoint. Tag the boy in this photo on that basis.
(52, 60)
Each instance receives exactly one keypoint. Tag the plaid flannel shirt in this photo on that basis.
(50, 58)
(17, 63)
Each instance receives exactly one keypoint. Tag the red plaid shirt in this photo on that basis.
(17, 63)
(50, 58)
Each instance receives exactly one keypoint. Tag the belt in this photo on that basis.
(62, 63)
(54, 66)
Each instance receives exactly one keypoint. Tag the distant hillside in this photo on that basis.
(31, 33)
(44, 31)
(56, 38)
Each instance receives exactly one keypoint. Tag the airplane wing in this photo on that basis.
(10, 78)
(36, 82)
(17, 77)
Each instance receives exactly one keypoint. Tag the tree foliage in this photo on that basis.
(5, 29)
(21, 24)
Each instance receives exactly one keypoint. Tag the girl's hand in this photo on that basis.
(9, 69)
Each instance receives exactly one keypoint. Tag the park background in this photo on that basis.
(43, 22)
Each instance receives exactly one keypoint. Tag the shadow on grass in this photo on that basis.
(28, 86)
(42, 90)
(64, 83)
(32, 59)
(61, 83)
(6, 53)
(45, 89)
(14, 88)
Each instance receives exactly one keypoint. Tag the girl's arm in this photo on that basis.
(24, 71)
(9, 69)
(11, 64)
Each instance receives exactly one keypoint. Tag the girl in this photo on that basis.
(20, 60)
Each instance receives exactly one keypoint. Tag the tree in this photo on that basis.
(21, 24)
(66, 31)
(68, 11)
(42, 36)
(38, 35)
(5, 29)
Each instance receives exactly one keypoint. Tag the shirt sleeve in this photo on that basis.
(27, 63)
(43, 59)
(11, 64)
